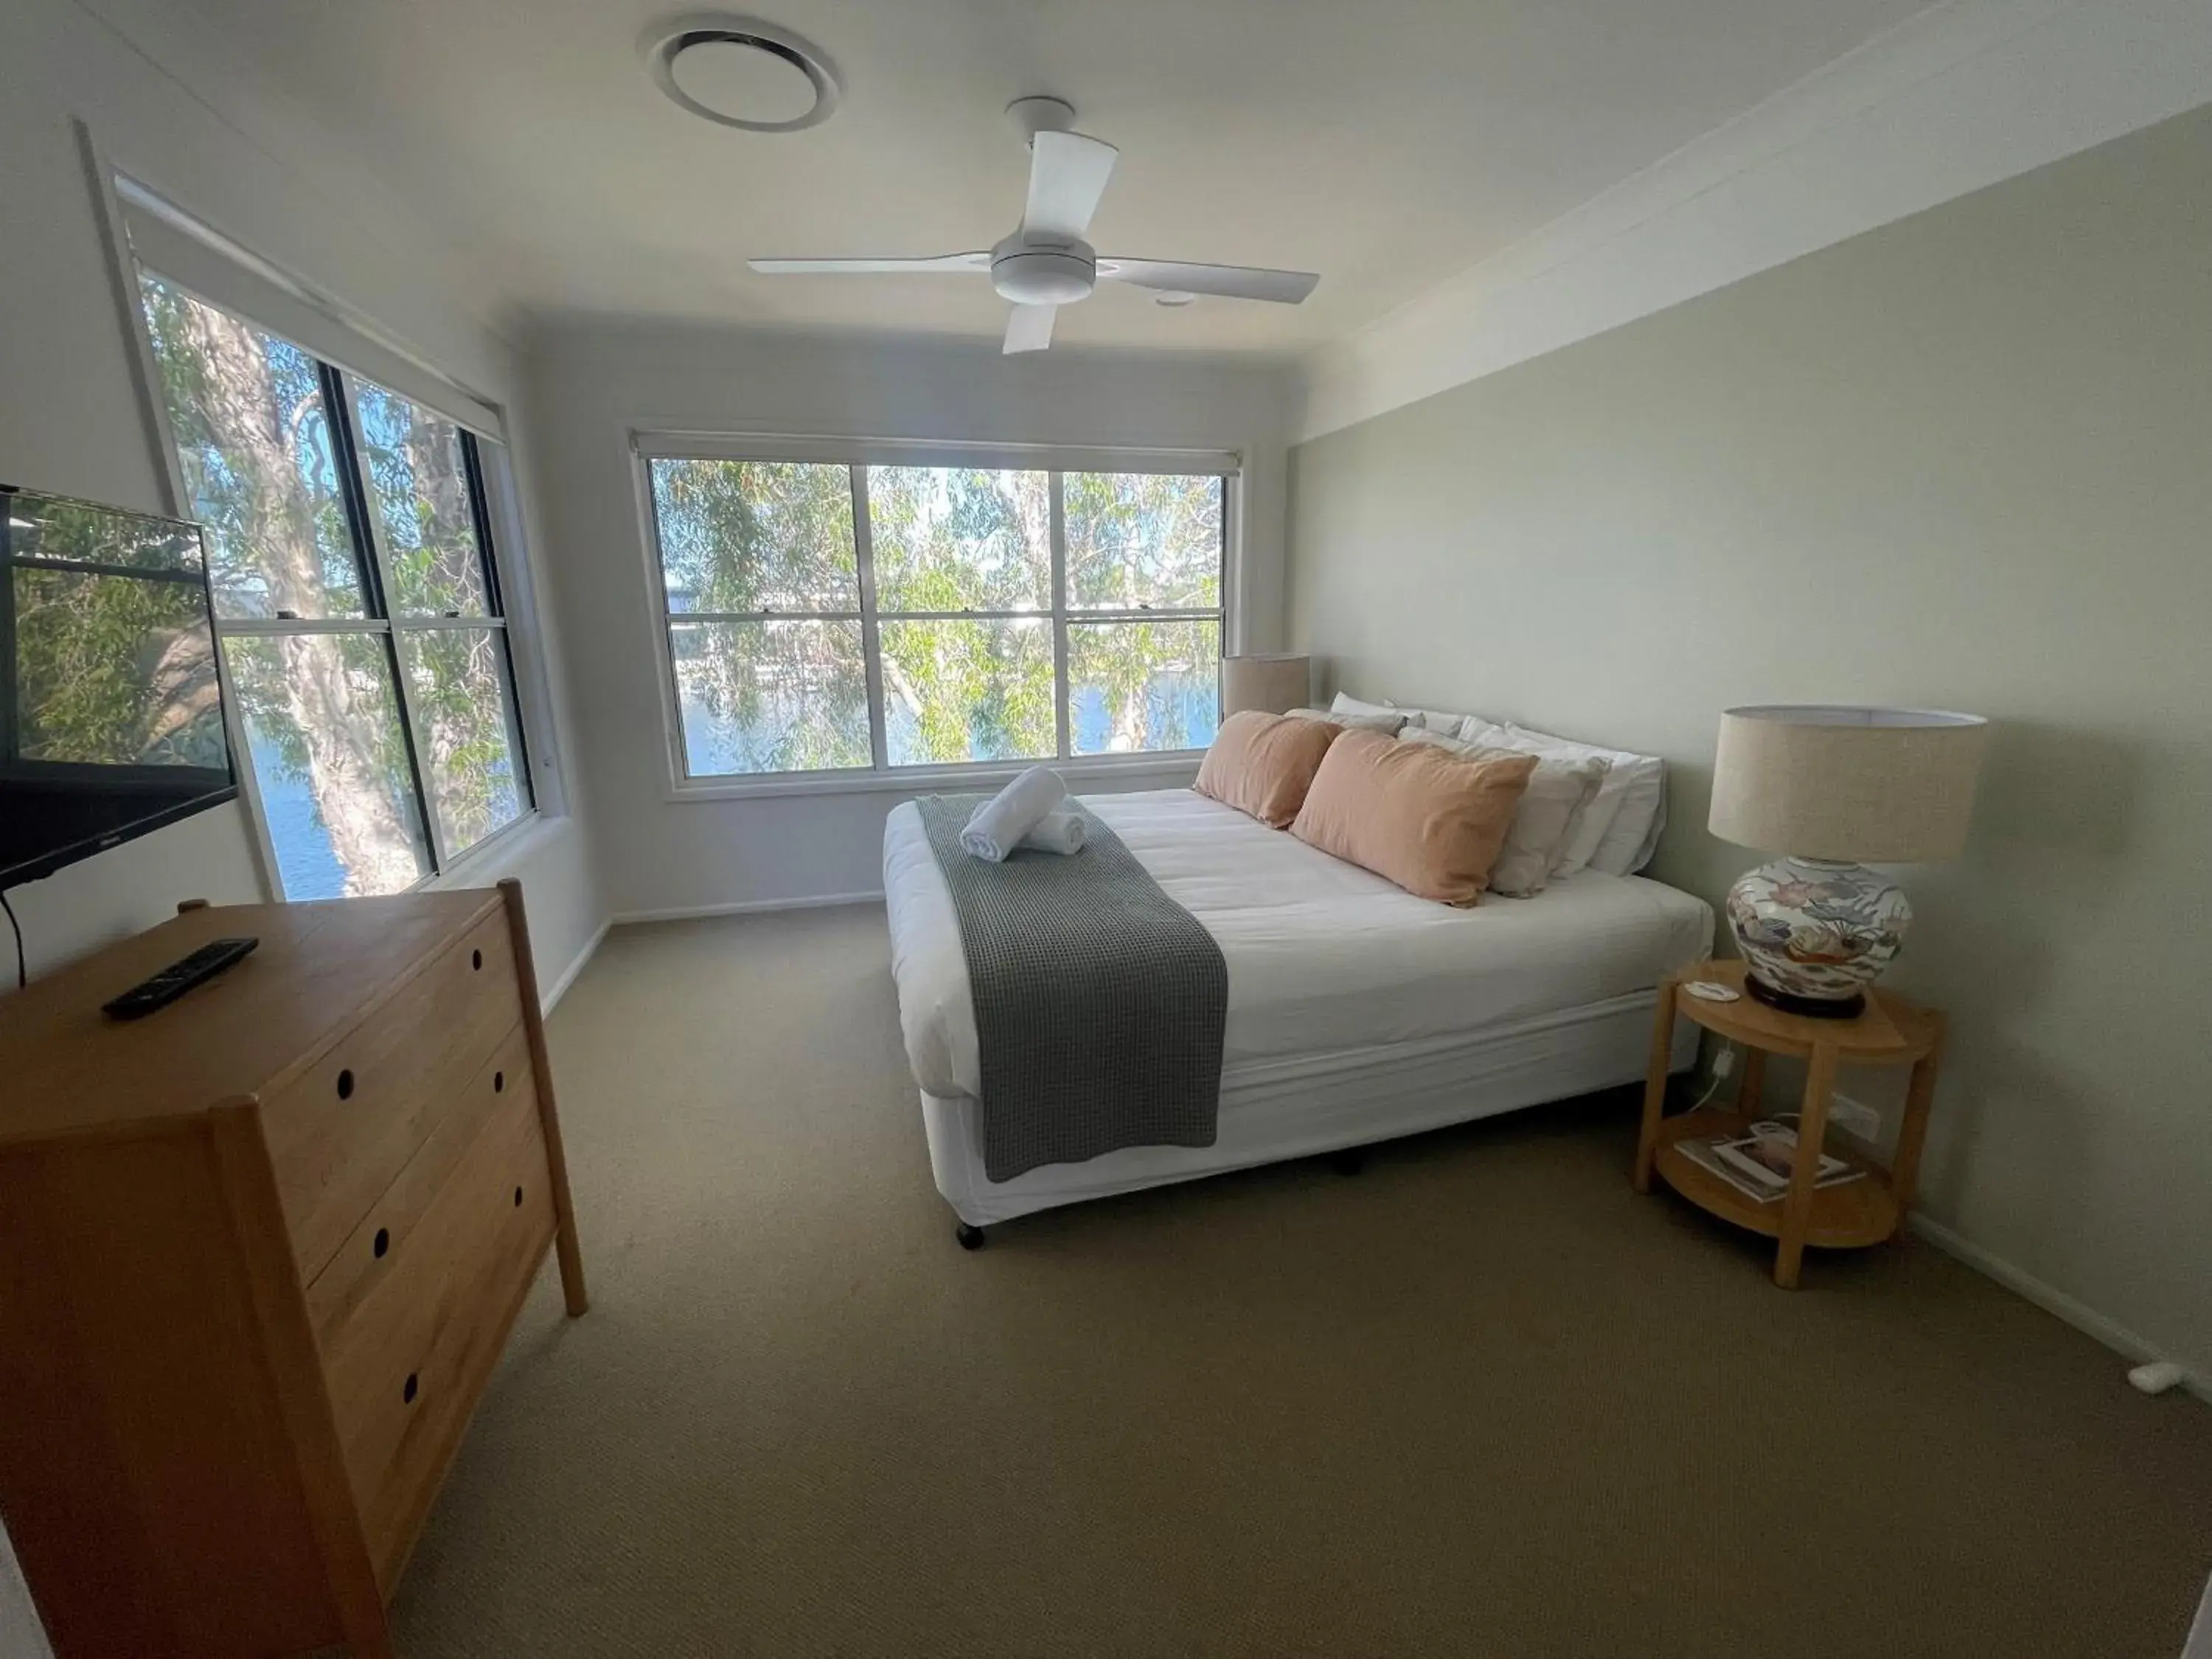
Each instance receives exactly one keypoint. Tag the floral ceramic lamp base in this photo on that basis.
(1816, 932)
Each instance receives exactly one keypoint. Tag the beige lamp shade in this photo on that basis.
(1274, 685)
(1866, 786)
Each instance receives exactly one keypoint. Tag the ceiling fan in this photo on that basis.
(1046, 264)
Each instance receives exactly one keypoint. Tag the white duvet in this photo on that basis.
(1322, 955)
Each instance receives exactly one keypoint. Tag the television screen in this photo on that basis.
(110, 707)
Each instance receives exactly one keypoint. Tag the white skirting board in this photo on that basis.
(559, 989)
(747, 908)
(2052, 1300)
(2199, 1645)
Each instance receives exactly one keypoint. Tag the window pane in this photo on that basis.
(111, 671)
(46, 527)
(461, 696)
(954, 538)
(740, 537)
(418, 485)
(1140, 539)
(1143, 685)
(324, 731)
(777, 696)
(968, 691)
(254, 440)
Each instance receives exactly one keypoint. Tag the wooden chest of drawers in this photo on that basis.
(259, 1255)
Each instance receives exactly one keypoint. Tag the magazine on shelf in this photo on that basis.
(1759, 1163)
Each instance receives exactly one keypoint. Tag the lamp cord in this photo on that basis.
(23, 966)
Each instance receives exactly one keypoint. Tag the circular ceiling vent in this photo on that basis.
(742, 72)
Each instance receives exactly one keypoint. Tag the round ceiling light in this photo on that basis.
(742, 72)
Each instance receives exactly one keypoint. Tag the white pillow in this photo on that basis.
(1429, 719)
(1343, 705)
(1637, 785)
(1435, 720)
(1387, 722)
(1550, 811)
(1598, 817)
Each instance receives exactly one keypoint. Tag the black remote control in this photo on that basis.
(178, 977)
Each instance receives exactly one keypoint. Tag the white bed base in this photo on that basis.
(1276, 1109)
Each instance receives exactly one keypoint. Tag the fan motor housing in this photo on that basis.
(1043, 276)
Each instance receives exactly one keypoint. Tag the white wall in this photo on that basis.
(71, 420)
(1957, 97)
(1958, 462)
(592, 384)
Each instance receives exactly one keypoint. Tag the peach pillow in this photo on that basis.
(1263, 764)
(1431, 821)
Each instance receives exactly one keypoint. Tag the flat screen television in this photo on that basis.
(110, 704)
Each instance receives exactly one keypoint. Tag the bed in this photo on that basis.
(1357, 1011)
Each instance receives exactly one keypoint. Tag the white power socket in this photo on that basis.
(1852, 1116)
(1855, 1117)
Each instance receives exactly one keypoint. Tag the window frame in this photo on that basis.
(337, 382)
(858, 455)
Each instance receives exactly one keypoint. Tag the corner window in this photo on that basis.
(357, 603)
(847, 617)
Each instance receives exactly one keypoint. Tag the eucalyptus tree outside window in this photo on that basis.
(356, 598)
(826, 617)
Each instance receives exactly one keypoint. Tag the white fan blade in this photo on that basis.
(869, 267)
(1232, 282)
(1028, 328)
(1067, 175)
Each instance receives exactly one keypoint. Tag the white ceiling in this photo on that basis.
(1386, 143)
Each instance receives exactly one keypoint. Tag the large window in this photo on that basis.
(356, 602)
(826, 617)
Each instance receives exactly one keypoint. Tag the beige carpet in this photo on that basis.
(1479, 1400)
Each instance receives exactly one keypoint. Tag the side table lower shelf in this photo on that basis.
(1846, 1216)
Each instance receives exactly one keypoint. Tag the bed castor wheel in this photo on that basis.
(1347, 1161)
(971, 1238)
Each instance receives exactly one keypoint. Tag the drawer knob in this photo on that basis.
(408, 1389)
(346, 1084)
(476, 959)
(498, 1082)
(383, 1241)
(518, 1197)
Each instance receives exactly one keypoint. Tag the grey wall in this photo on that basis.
(1963, 461)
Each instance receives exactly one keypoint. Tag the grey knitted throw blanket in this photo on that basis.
(1099, 1000)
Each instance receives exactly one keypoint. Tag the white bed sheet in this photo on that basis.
(1323, 956)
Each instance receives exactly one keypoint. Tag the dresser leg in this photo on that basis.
(1812, 1130)
(573, 1292)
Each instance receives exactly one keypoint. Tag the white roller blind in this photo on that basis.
(170, 243)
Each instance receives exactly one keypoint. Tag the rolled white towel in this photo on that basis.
(1003, 820)
(1058, 832)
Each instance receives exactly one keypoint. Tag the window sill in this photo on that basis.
(909, 781)
(497, 853)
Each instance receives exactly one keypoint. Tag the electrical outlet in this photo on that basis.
(1855, 1117)
(1725, 1063)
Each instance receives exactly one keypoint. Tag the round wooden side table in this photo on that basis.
(1890, 1032)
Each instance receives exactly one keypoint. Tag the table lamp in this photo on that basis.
(1273, 684)
(1833, 789)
